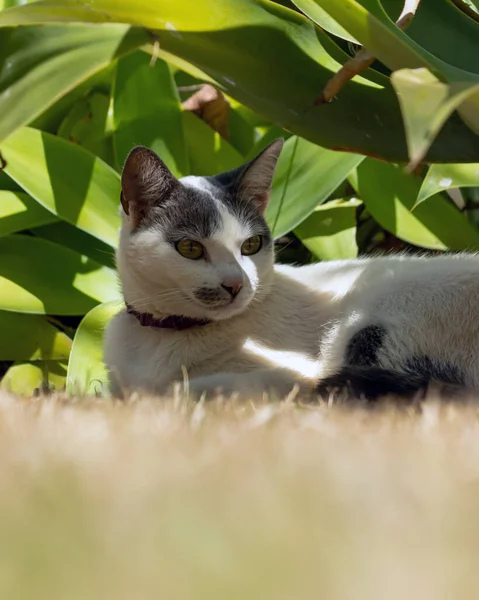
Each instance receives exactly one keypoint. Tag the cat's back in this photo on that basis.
(376, 277)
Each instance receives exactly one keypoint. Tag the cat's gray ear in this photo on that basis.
(145, 182)
(256, 179)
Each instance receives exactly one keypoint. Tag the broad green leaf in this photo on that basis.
(444, 31)
(7, 183)
(437, 27)
(147, 111)
(67, 180)
(176, 62)
(52, 118)
(31, 337)
(87, 125)
(71, 237)
(250, 116)
(276, 62)
(86, 371)
(390, 194)
(445, 177)
(25, 378)
(305, 176)
(370, 24)
(265, 136)
(330, 231)
(44, 63)
(209, 153)
(241, 133)
(427, 103)
(393, 47)
(37, 276)
(19, 211)
(10, 3)
(322, 18)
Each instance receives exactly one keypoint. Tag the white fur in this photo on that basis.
(287, 325)
(297, 326)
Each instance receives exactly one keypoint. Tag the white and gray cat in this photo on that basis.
(205, 298)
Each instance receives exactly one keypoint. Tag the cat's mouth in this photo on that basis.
(217, 298)
(226, 308)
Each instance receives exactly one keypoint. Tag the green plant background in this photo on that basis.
(81, 83)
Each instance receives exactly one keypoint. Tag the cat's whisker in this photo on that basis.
(145, 301)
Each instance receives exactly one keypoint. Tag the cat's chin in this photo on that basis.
(220, 313)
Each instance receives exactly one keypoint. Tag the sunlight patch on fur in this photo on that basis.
(293, 361)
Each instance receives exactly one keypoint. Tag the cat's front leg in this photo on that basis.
(276, 381)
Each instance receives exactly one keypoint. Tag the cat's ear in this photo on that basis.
(256, 179)
(145, 182)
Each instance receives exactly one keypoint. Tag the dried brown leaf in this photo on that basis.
(209, 104)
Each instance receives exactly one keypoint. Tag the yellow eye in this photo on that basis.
(190, 249)
(252, 245)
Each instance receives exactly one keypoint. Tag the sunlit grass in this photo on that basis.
(163, 499)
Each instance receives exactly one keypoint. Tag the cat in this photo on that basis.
(205, 300)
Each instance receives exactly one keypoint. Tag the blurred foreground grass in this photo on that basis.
(164, 500)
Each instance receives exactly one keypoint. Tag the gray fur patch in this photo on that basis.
(227, 189)
(185, 213)
(192, 211)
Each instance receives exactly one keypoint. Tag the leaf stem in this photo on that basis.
(363, 58)
(466, 9)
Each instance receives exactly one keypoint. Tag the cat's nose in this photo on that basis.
(233, 288)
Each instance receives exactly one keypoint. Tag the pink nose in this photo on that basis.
(233, 290)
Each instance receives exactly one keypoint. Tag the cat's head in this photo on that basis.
(196, 246)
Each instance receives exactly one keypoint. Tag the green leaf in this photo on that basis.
(44, 63)
(305, 176)
(25, 378)
(37, 276)
(176, 62)
(374, 30)
(31, 337)
(87, 125)
(446, 177)
(265, 136)
(71, 237)
(241, 133)
(277, 62)
(322, 18)
(86, 371)
(18, 211)
(390, 194)
(370, 24)
(147, 111)
(427, 103)
(330, 231)
(67, 180)
(51, 119)
(6, 183)
(208, 152)
(439, 27)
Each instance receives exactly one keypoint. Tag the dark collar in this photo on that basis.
(173, 322)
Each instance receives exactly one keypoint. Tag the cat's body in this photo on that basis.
(379, 325)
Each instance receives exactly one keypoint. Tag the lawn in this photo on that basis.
(159, 498)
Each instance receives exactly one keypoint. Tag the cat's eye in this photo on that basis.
(190, 249)
(252, 245)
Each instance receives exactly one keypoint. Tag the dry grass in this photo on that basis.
(163, 500)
